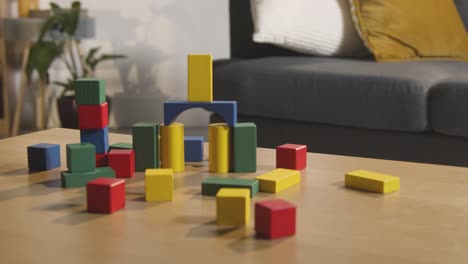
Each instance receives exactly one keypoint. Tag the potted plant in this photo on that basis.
(57, 41)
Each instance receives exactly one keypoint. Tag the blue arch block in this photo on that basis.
(225, 109)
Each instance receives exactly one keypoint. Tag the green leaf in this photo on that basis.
(41, 56)
(104, 57)
(91, 54)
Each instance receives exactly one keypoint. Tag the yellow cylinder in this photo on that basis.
(25, 5)
(218, 154)
(172, 147)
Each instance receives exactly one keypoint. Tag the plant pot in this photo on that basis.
(68, 111)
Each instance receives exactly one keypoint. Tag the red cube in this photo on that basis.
(93, 116)
(122, 161)
(101, 159)
(291, 156)
(275, 218)
(105, 195)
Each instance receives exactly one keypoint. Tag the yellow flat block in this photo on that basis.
(278, 180)
(233, 206)
(372, 181)
(172, 147)
(200, 78)
(159, 185)
(218, 149)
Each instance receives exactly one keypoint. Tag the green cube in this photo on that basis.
(73, 179)
(146, 145)
(81, 157)
(121, 145)
(90, 91)
(244, 147)
(211, 186)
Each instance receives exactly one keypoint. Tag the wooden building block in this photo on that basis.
(98, 137)
(291, 156)
(278, 180)
(93, 116)
(244, 147)
(120, 145)
(211, 186)
(80, 179)
(172, 147)
(43, 156)
(159, 185)
(81, 157)
(200, 77)
(193, 149)
(372, 181)
(90, 91)
(225, 109)
(122, 161)
(219, 147)
(146, 145)
(275, 218)
(233, 206)
(101, 159)
(105, 196)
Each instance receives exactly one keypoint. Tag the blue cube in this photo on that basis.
(43, 156)
(193, 147)
(98, 137)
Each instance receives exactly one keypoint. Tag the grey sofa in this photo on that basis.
(411, 111)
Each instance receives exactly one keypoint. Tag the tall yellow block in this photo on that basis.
(233, 206)
(372, 181)
(159, 185)
(218, 151)
(200, 78)
(278, 180)
(172, 147)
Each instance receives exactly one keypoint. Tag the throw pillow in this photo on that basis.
(317, 27)
(397, 30)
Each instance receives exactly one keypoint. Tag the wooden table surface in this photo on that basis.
(425, 222)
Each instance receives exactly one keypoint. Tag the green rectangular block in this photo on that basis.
(90, 91)
(145, 138)
(81, 157)
(244, 147)
(70, 179)
(211, 186)
(121, 145)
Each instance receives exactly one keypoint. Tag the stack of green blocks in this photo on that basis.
(146, 146)
(81, 165)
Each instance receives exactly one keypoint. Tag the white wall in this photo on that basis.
(156, 35)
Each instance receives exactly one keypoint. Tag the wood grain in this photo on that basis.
(425, 222)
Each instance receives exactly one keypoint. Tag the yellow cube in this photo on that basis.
(200, 78)
(159, 185)
(372, 181)
(233, 206)
(278, 180)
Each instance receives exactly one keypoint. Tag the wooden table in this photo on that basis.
(425, 222)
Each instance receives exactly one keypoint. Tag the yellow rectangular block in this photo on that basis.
(218, 148)
(372, 181)
(200, 78)
(233, 206)
(278, 180)
(172, 147)
(159, 185)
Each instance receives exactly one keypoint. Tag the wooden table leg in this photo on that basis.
(5, 121)
(41, 117)
(20, 98)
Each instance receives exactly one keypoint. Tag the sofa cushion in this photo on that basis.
(449, 106)
(356, 93)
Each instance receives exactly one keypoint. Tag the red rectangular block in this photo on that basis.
(291, 156)
(93, 116)
(105, 195)
(122, 161)
(275, 218)
(101, 160)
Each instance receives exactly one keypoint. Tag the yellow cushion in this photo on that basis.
(397, 30)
